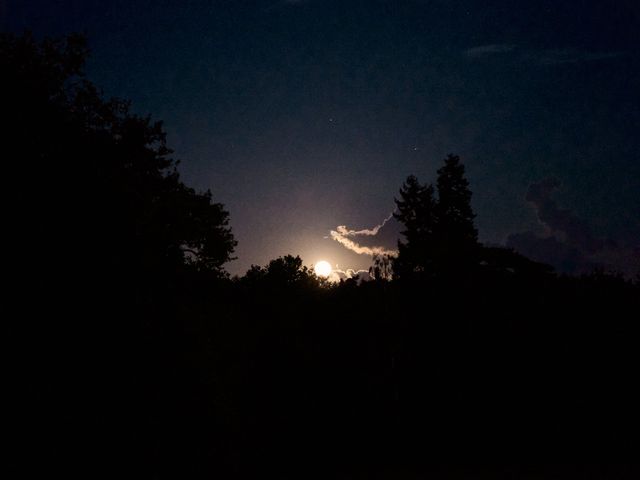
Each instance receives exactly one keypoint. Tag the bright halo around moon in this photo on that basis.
(322, 269)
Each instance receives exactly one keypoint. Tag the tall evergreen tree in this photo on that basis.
(456, 236)
(416, 211)
(440, 237)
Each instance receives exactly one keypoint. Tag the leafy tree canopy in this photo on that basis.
(287, 271)
(105, 177)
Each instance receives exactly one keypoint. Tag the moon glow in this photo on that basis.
(322, 268)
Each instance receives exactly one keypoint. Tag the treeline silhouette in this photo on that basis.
(456, 360)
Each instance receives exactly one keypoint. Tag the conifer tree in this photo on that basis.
(440, 238)
(456, 236)
(416, 211)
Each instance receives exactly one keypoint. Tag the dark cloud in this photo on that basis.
(551, 251)
(561, 221)
(570, 244)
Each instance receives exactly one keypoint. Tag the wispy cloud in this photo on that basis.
(543, 57)
(341, 234)
(283, 4)
(557, 57)
(360, 249)
(491, 49)
(342, 229)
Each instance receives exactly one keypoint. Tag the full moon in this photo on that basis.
(322, 268)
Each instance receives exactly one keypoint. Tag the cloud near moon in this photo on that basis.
(337, 275)
(341, 234)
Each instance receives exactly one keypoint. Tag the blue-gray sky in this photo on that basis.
(304, 115)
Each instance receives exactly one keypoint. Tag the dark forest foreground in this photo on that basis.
(142, 358)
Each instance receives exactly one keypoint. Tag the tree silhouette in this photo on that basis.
(282, 272)
(440, 237)
(114, 238)
(416, 210)
(382, 268)
(105, 178)
(457, 237)
(191, 376)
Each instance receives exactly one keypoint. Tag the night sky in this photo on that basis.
(304, 115)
